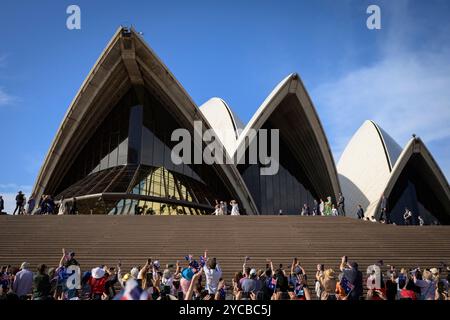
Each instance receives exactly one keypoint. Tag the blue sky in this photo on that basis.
(398, 76)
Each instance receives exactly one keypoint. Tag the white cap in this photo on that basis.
(97, 273)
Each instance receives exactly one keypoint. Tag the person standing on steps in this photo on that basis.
(360, 212)
(334, 211)
(316, 208)
(407, 216)
(234, 208)
(213, 274)
(341, 205)
(384, 215)
(73, 207)
(31, 203)
(305, 210)
(20, 202)
(2, 205)
(328, 204)
(321, 207)
(23, 282)
(354, 277)
(421, 221)
(223, 208)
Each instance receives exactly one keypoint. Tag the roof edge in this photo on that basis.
(293, 84)
(414, 145)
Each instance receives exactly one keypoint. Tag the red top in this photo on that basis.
(408, 294)
(97, 285)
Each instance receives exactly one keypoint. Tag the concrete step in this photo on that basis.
(132, 239)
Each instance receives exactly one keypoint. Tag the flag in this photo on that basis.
(132, 291)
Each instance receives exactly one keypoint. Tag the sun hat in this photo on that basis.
(329, 273)
(126, 277)
(434, 271)
(97, 273)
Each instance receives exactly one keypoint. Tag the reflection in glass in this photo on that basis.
(287, 190)
(127, 165)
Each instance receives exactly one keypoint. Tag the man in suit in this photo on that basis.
(360, 212)
(316, 208)
(383, 210)
(341, 205)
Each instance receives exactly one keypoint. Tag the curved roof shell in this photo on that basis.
(290, 109)
(435, 178)
(365, 166)
(225, 123)
(372, 164)
(125, 62)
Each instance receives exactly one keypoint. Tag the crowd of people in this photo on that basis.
(48, 206)
(324, 208)
(203, 280)
(222, 208)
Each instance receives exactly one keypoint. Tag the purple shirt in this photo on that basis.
(23, 282)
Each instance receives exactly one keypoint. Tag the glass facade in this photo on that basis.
(413, 190)
(107, 147)
(287, 190)
(126, 166)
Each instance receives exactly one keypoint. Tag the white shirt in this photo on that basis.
(167, 282)
(235, 210)
(212, 278)
(62, 208)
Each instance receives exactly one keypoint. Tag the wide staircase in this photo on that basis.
(99, 240)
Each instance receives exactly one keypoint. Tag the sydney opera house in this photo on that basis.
(112, 151)
(373, 164)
